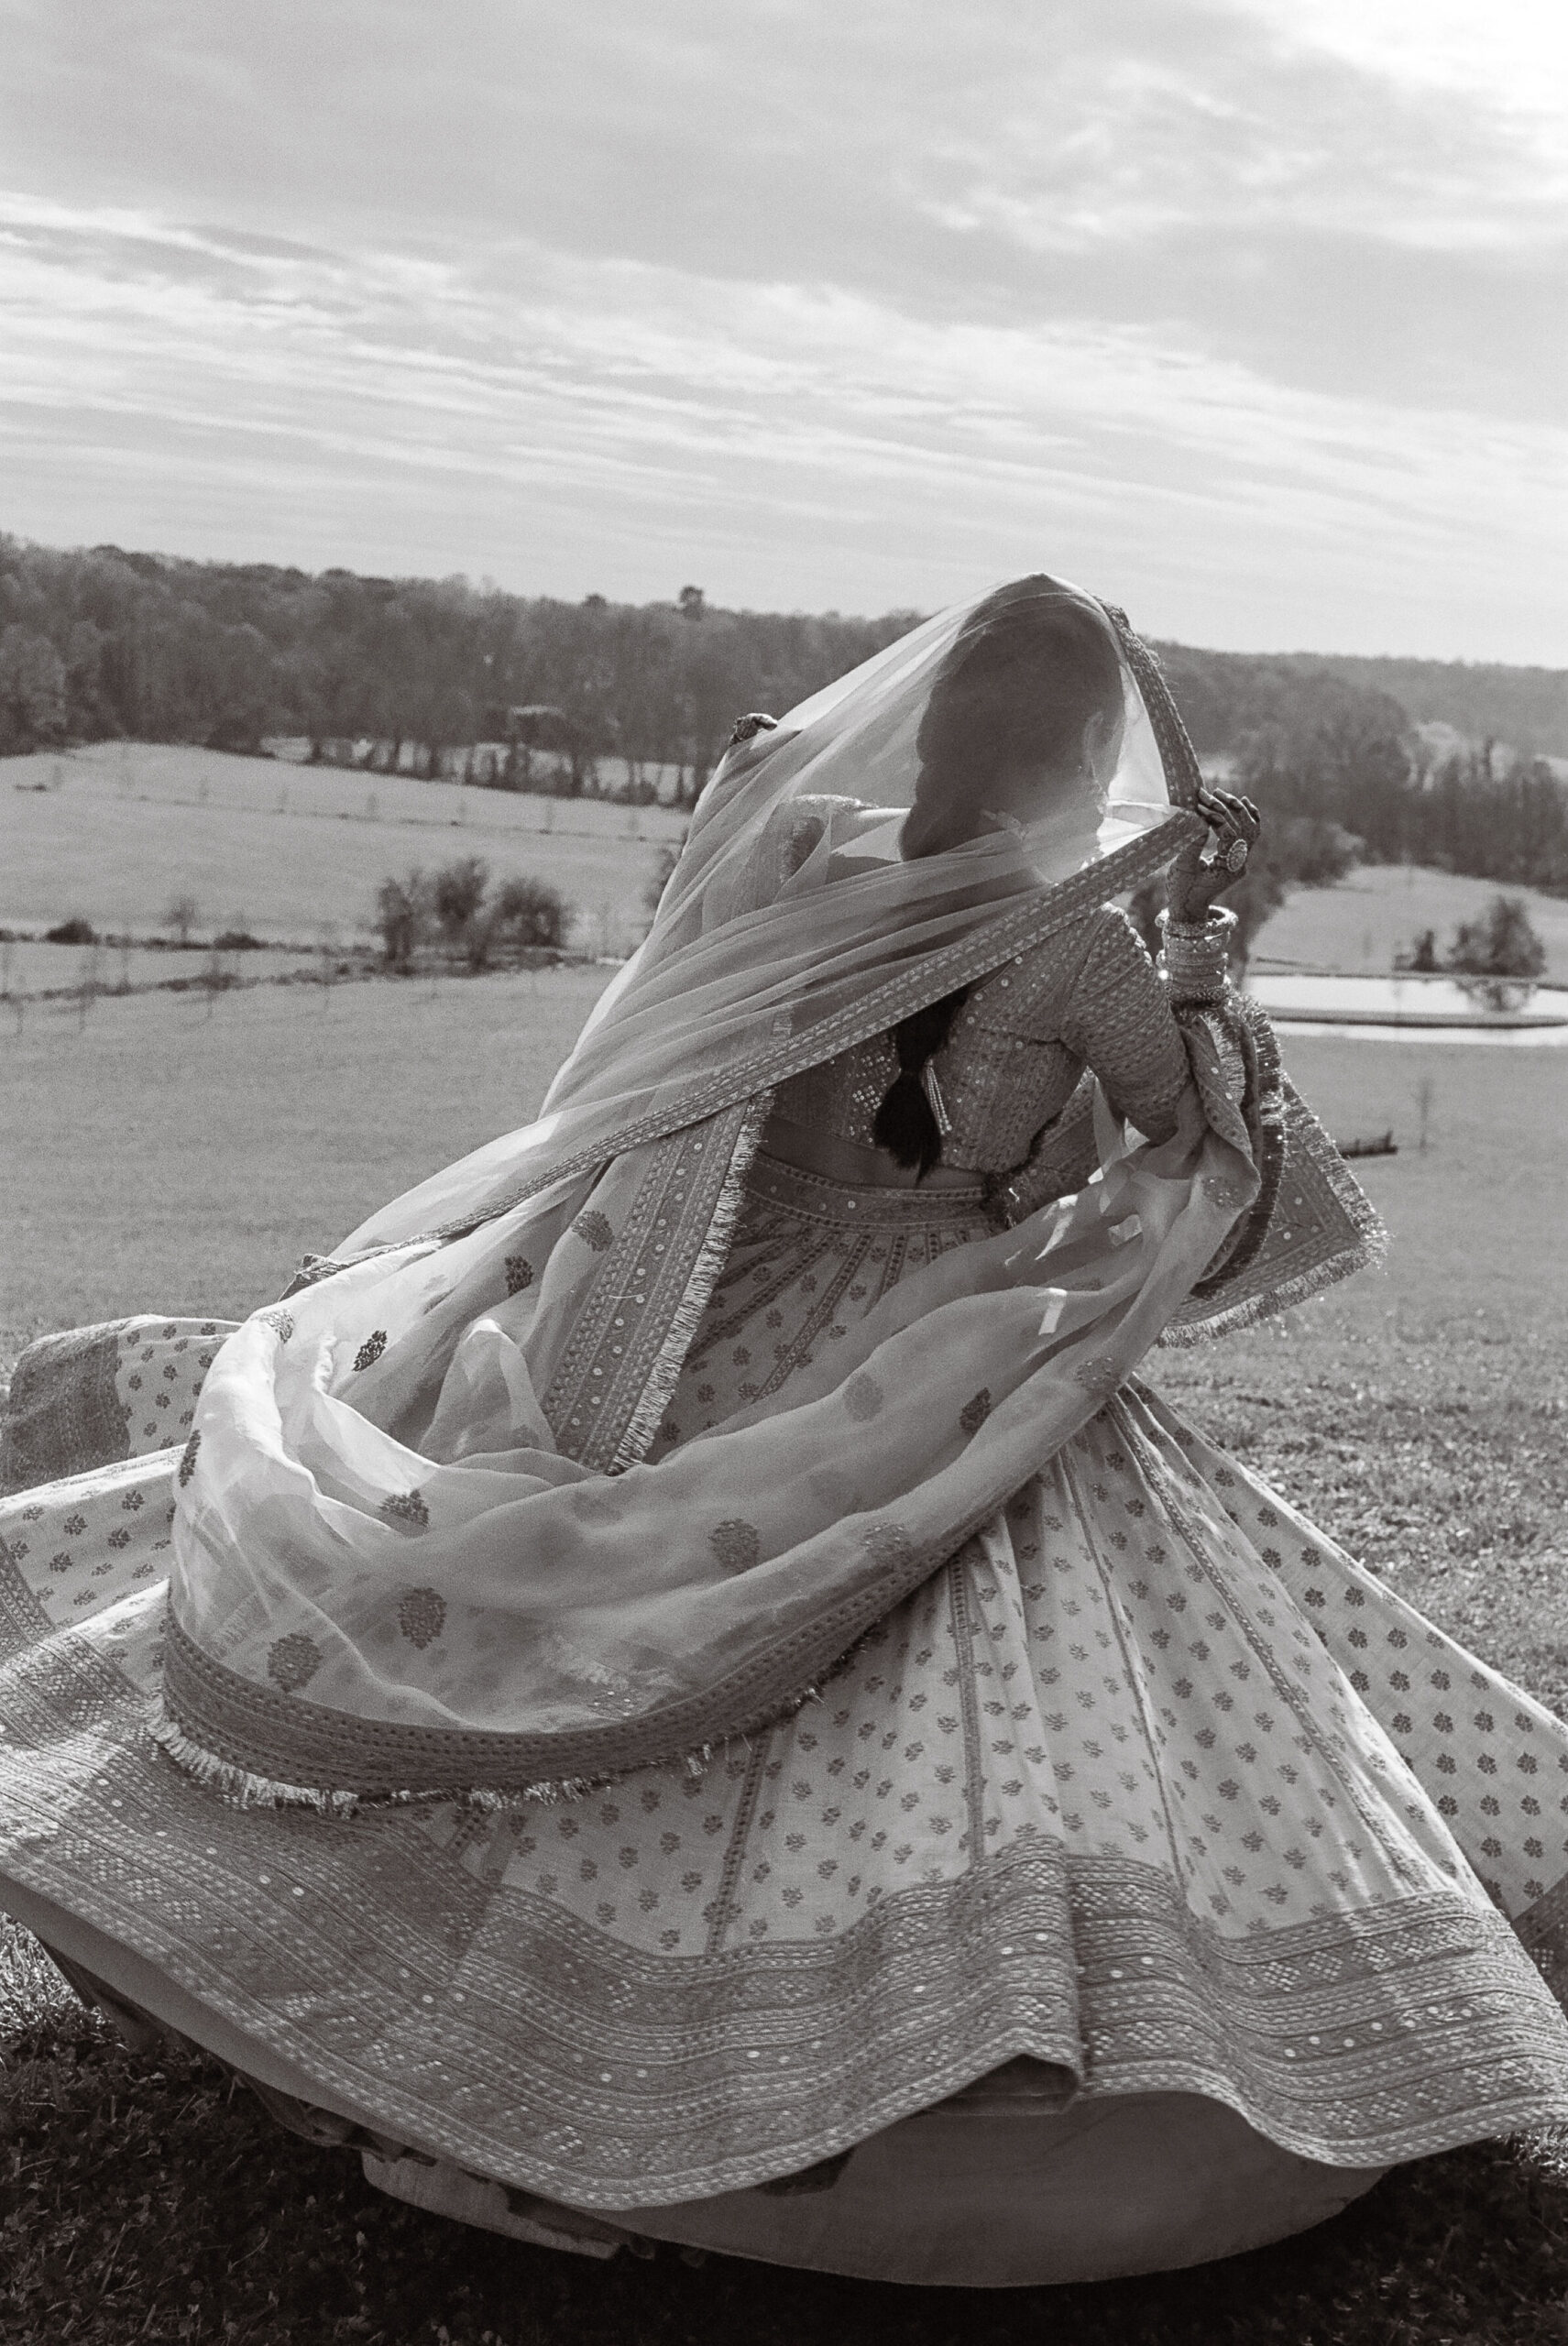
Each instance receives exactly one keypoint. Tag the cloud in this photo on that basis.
(1207, 306)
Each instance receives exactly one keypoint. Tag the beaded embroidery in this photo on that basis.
(1017, 1050)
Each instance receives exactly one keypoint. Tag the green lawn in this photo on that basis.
(285, 850)
(162, 1159)
(168, 1161)
(1381, 908)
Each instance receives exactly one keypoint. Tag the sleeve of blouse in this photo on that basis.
(1146, 1049)
(1119, 1021)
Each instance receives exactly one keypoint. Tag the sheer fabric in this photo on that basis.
(418, 1546)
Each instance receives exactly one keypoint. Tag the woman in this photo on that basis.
(697, 1693)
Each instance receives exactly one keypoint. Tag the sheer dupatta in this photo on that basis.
(417, 1552)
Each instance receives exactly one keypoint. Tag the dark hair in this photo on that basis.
(904, 1124)
(1033, 663)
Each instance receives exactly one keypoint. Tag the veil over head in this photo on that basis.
(417, 1548)
(795, 922)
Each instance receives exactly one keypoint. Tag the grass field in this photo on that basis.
(1380, 909)
(285, 850)
(164, 1160)
(172, 1152)
(289, 850)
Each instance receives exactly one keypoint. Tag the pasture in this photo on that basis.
(173, 1147)
(167, 1157)
(289, 851)
(294, 853)
(1378, 910)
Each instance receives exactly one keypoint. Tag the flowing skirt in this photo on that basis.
(1150, 1879)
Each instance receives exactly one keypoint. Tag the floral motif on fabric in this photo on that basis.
(736, 1544)
(370, 1351)
(421, 1616)
(406, 1507)
(593, 1231)
(187, 1466)
(281, 1322)
(974, 1413)
(293, 1661)
(518, 1274)
(863, 1397)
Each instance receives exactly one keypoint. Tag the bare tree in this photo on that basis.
(402, 915)
(181, 913)
(458, 894)
(531, 912)
(1502, 944)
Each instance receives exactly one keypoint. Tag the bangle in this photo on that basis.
(1195, 954)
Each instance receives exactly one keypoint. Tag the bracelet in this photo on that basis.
(1196, 955)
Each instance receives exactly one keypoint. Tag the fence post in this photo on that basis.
(327, 937)
(86, 983)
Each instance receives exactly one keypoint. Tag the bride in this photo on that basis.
(681, 1685)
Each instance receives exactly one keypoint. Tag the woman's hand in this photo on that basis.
(747, 728)
(1195, 881)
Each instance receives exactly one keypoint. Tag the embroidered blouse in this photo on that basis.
(1012, 1073)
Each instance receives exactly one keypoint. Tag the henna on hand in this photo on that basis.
(747, 728)
(1198, 878)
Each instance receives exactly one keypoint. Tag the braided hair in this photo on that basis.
(905, 1125)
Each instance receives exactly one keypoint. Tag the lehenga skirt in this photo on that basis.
(1140, 1889)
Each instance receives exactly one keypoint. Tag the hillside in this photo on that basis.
(1526, 708)
(1226, 694)
(113, 832)
(103, 643)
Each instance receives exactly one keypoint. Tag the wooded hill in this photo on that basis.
(1225, 695)
(101, 643)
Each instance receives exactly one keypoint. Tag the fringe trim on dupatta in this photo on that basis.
(712, 1255)
(240, 1787)
(1363, 1246)
(1365, 1252)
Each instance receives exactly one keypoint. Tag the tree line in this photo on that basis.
(437, 677)
(101, 643)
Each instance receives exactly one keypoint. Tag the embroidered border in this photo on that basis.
(734, 1141)
(65, 1413)
(622, 1321)
(23, 1620)
(1323, 1228)
(1543, 1930)
(486, 2026)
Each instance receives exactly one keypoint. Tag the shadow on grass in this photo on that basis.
(148, 2199)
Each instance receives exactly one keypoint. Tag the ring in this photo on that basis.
(1237, 855)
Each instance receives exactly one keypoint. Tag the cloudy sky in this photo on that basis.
(1248, 313)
